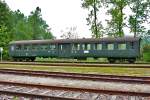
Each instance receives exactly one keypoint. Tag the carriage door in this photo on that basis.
(64, 50)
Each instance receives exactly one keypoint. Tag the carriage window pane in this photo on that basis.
(44, 47)
(27, 47)
(94, 46)
(34, 47)
(122, 46)
(52, 47)
(99, 46)
(83, 46)
(110, 46)
(78, 46)
(88, 46)
(132, 45)
(61, 47)
(18, 47)
(74, 47)
(12, 48)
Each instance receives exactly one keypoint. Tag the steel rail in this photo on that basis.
(80, 64)
(94, 77)
(112, 92)
(76, 61)
(43, 97)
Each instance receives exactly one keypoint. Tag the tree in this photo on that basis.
(115, 26)
(4, 15)
(28, 28)
(140, 9)
(92, 20)
(21, 29)
(14, 25)
(5, 27)
(70, 33)
(39, 27)
(4, 40)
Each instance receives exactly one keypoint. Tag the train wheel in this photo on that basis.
(14, 59)
(32, 59)
(111, 60)
(131, 61)
(20, 59)
(27, 59)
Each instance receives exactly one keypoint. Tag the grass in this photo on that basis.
(93, 70)
(89, 59)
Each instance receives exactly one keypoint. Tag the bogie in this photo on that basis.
(131, 60)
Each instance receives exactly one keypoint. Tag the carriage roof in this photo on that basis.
(84, 40)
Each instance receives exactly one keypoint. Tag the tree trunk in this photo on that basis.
(121, 21)
(95, 19)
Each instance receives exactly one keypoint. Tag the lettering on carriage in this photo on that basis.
(86, 51)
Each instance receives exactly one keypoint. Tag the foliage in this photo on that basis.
(40, 29)
(116, 24)
(4, 40)
(21, 29)
(4, 15)
(32, 27)
(14, 25)
(5, 26)
(146, 48)
(140, 8)
(146, 52)
(92, 20)
(146, 40)
(146, 57)
(136, 21)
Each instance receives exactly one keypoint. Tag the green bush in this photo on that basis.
(146, 56)
(146, 53)
(146, 48)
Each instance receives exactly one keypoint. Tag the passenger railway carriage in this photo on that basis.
(126, 48)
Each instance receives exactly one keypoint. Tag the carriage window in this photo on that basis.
(94, 46)
(110, 46)
(88, 46)
(18, 47)
(99, 46)
(83, 46)
(34, 47)
(52, 47)
(44, 47)
(74, 47)
(132, 45)
(78, 46)
(61, 47)
(122, 46)
(12, 48)
(27, 47)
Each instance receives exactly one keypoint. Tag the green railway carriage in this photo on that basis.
(127, 48)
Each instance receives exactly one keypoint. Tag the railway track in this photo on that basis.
(94, 77)
(67, 93)
(45, 92)
(79, 64)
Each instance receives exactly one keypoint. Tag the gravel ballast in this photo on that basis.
(76, 83)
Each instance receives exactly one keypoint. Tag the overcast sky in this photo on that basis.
(59, 14)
